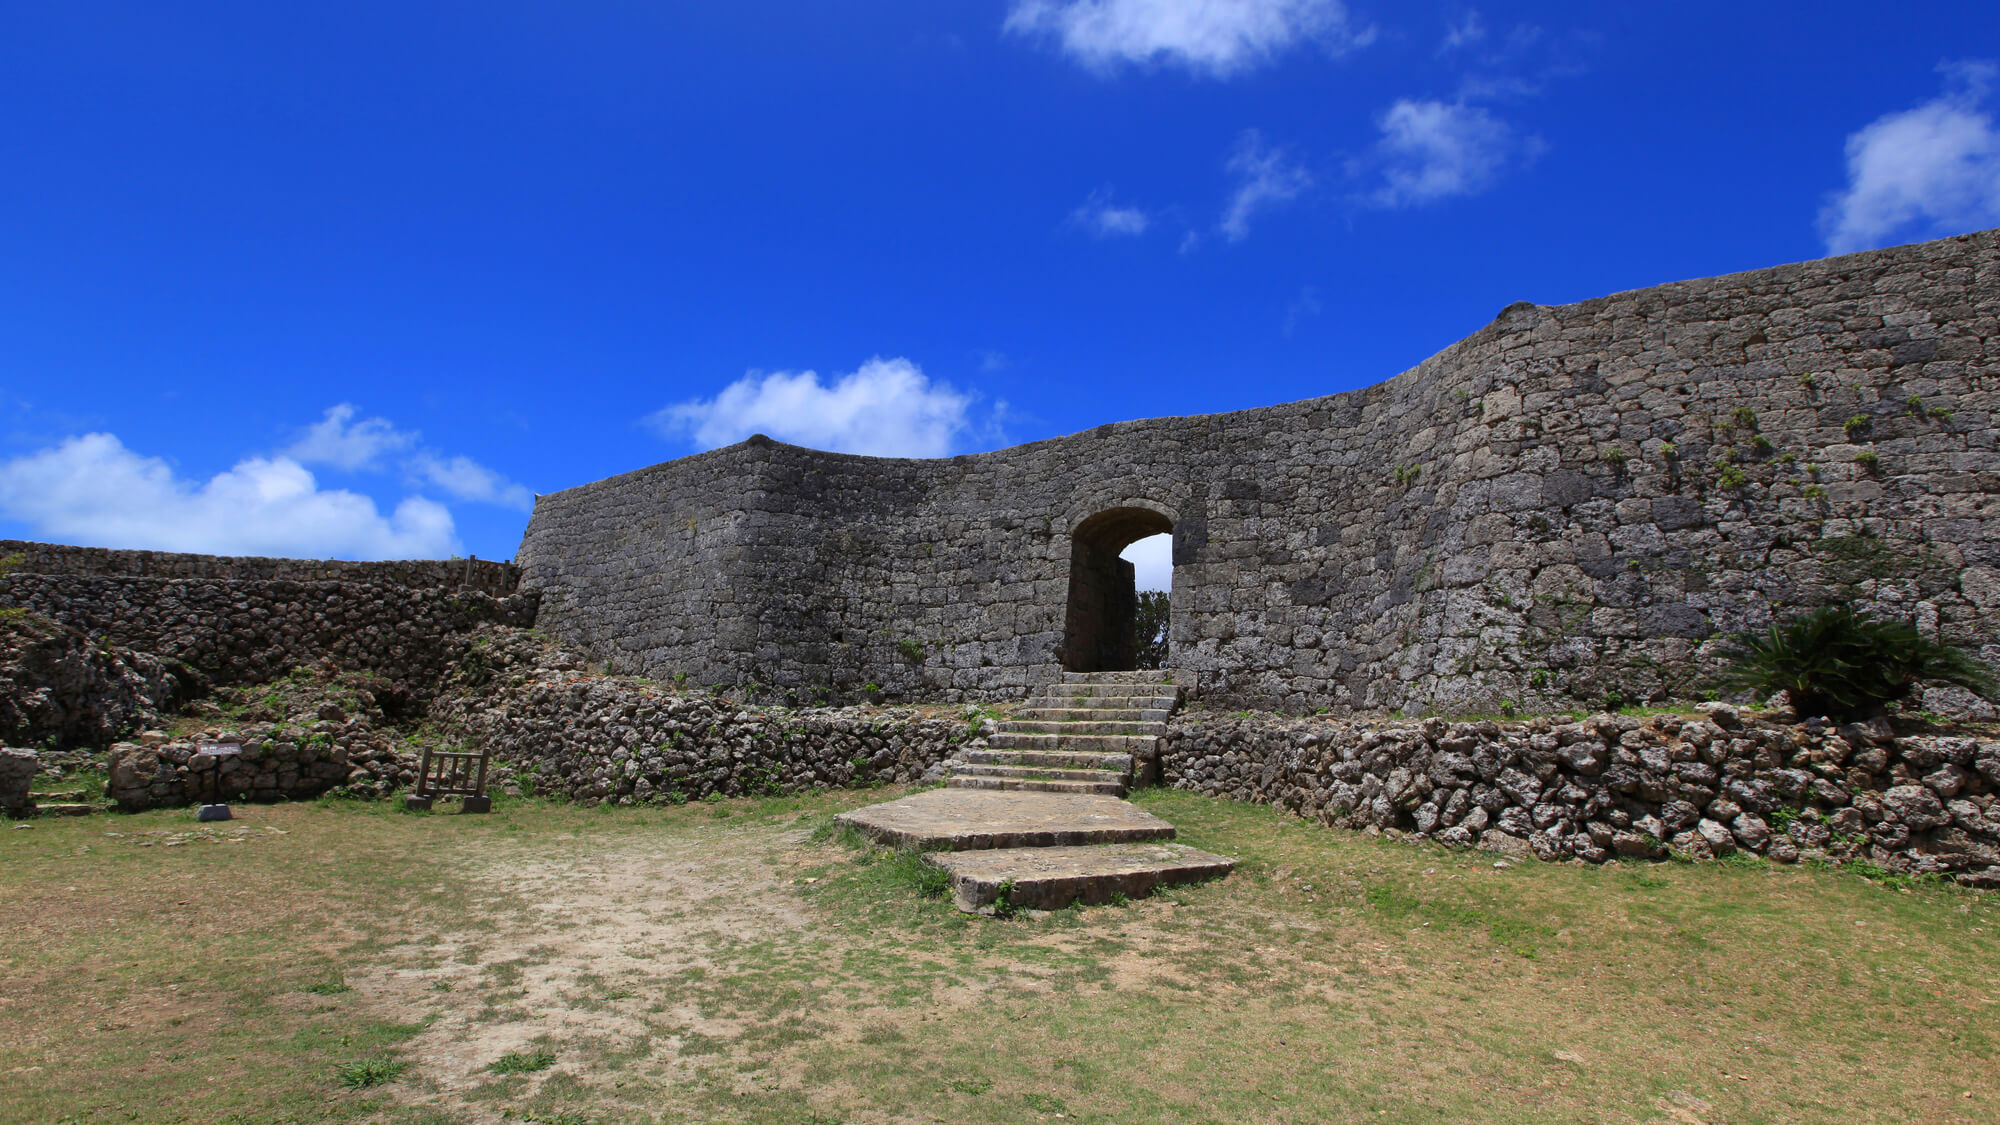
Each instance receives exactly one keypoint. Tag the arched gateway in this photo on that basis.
(1099, 625)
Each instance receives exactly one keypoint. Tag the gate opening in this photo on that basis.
(1100, 626)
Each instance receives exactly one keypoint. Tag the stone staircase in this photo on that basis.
(1092, 732)
(62, 802)
(1035, 819)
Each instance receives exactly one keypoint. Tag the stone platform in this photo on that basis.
(971, 819)
(1047, 849)
(1052, 878)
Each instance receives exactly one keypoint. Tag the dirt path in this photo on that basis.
(585, 952)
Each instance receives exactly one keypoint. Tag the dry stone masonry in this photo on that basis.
(1568, 505)
(230, 620)
(1618, 785)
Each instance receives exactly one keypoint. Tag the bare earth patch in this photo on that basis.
(591, 946)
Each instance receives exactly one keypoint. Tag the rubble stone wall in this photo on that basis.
(603, 739)
(252, 620)
(1571, 503)
(1615, 785)
(60, 690)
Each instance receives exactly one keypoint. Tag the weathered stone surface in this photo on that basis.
(1916, 807)
(1458, 536)
(1054, 877)
(17, 774)
(971, 819)
(60, 689)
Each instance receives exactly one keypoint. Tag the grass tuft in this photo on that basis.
(364, 1073)
(523, 1062)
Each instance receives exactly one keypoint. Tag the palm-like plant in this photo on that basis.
(1843, 664)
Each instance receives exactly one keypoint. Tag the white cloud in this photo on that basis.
(1462, 32)
(1432, 150)
(462, 478)
(366, 446)
(1152, 560)
(1264, 176)
(886, 408)
(1304, 307)
(1105, 219)
(1924, 172)
(93, 491)
(339, 441)
(1214, 37)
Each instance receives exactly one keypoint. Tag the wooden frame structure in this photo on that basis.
(452, 773)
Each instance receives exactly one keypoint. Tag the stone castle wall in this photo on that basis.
(1570, 504)
(248, 620)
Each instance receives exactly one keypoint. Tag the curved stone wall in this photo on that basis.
(1567, 505)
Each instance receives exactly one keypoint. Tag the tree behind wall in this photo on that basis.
(1151, 626)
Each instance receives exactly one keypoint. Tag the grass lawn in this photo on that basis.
(344, 961)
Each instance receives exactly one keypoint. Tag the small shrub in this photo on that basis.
(1669, 451)
(1939, 413)
(1761, 443)
(1744, 417)
(1868, 459)
(1856, 425)
(1808, 381)
(1729, 476)
(1003, 900)
(1813, 492)
(1613, 455)
(1406, 475)
(1841, 663)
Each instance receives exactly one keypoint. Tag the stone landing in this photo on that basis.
(1047, 849)
(972, 819)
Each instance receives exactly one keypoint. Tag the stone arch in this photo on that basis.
(1099, 621)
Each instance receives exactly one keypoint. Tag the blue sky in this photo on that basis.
(357, 280)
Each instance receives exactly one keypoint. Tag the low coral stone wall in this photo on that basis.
(1616, 785)
(604, 738)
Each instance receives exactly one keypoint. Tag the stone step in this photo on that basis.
(64, 809)
(1044, 773)
(1061, 740)
(1051, 878)
(1093, 714)
(1112, 691)
(1078, 726)
(1049, 759)
(1108, 702)
(61, 795)
(1164, 680)
(1038, 785)
(961, 819)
